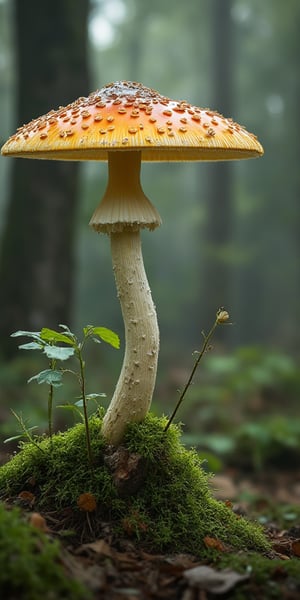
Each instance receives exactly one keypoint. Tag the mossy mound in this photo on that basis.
(31, 565)
(172, 510)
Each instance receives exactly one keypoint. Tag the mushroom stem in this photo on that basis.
(123, 211)
(134, 390)
(124, 205)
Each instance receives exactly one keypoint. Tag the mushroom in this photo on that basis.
(125, 123)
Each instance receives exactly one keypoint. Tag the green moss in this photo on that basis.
(174, 508)
(269, 578)
(31, 564)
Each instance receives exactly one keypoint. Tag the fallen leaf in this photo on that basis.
(295, 546)
(211, 542)
(99, 547)
(38, 521)
(26, 498)
(282, 546)
(93, 576)
(282, 556)
(186, 561)
(211, 580)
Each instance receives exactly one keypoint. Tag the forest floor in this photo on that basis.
(117, 569)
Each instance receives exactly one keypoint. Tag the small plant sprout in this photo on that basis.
(49, 342)
(25, 432)
(51, 376)
(222, 317)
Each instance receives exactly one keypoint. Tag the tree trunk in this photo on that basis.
(37, 258)
(219, 208)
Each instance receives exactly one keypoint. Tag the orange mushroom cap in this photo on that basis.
(129, 116)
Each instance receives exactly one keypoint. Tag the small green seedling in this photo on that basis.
(222, 317)
(61, 346)
(25, 431)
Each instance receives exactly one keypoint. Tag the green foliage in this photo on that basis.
(49, 376)
(234, 412)
(285, 515)
(47, 341)
(273, 440)
(31, 566)
(173, 509)
(25, 431)
(248, 371)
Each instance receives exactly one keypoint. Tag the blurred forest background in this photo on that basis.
(230, 233)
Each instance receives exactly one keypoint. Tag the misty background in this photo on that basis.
(230, 232)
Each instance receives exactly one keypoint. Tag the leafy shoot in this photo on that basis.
(61, 346)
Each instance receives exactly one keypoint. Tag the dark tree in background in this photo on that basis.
(219, 200)
(37, 257)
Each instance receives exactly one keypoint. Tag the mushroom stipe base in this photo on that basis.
(170, 509)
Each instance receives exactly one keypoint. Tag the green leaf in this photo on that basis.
(88, 330)
(58, 352)
(49, 335)
(89, 397)
(72, 408)
(33, 334)
(68, 407)
(66, 328)
(69, 334)
(79, 403)
(105, 334)
(31, 346)
(13, 438)
(48, 376)
(20, 435)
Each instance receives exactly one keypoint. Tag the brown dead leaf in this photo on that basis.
(211, 542)
(150, 557)
(127, 561)
(282, 556)
(99, 547)
(281, 545)
(26, 499)
(93, 576)
(295, 547)
(38, 521)
(186, 561)
(134, 522)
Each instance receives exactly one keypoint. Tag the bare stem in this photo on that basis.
(84, 402)
(221, 317)
(50, 404)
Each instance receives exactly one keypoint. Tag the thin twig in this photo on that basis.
(221, 317)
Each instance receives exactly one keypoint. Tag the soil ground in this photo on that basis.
(117, 569)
